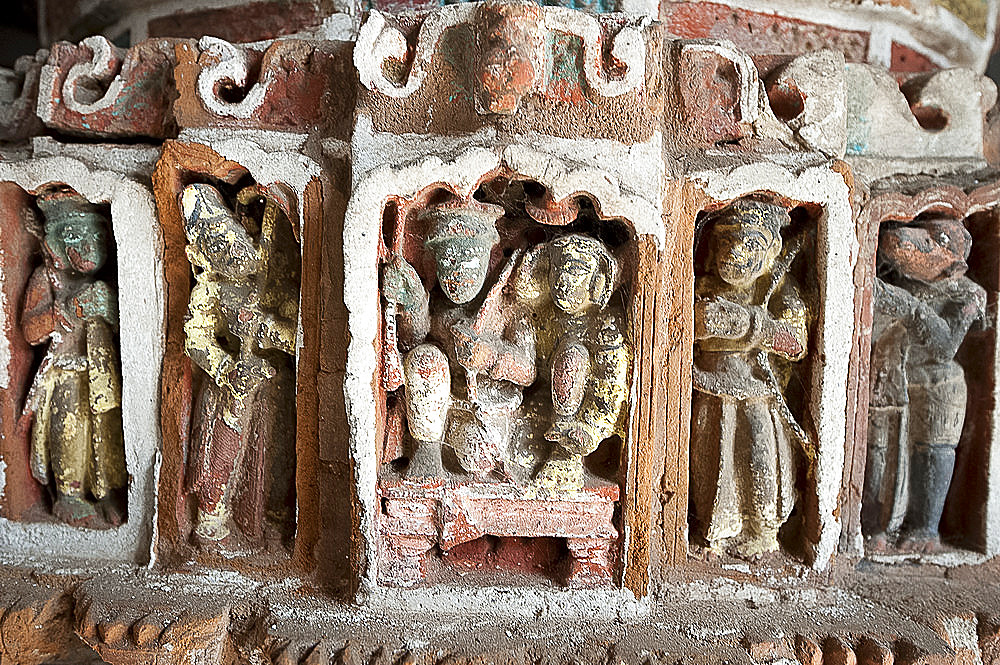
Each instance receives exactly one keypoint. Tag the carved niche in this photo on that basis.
(229, 399)
(506, 366)
(923, 432)
(751, 445)
(63, 450)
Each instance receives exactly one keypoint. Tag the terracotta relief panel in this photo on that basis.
(64, 450)
(506, 370)
(240, 334)
(923, 446)
(229, 399)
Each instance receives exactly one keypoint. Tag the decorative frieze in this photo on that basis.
(98, 89)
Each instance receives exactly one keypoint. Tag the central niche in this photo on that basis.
(506, 366)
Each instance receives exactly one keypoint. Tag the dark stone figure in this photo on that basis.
(924, 306)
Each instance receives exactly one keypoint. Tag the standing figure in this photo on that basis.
(924, 306)
(74, 404)
(484, 337)
(240, 331)
(748, 316)
(569, 282)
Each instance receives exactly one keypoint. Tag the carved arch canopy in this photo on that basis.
(502, 508)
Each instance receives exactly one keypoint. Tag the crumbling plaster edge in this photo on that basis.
(142, 317)
(838, 251)
(269, 157)
(461, 164)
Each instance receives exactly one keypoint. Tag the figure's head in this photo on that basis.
(461, 239)
(925, 251)
(746, 239)
(217, 240)
(582, 272)
(75, 233)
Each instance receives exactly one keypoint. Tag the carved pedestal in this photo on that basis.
(420, 515)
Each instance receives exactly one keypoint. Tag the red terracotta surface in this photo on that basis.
(248, 22)
(419, 515)
(710, 92)
(298, 98)
(759, 32)
(21, 495)
(905, 59)
(143, 105)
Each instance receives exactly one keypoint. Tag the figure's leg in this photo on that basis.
(883, 496)
(428, 396)
(69, 431)
(938, 414)
(563, 470)
(223, 443)
(108, 473)
(714, 495)
(763, 503)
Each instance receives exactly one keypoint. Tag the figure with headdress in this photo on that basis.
(924, 306)
(466, 352)
(74, 404)
(749, 319)
(569, 282)
(240, 330)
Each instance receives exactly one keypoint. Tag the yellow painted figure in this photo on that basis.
(74, 404)
(749, 319)
(243, 307)
(569, 283)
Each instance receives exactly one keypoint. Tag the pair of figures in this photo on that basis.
(924, 307)
(73, 408)
(546, 317)
(240, 331)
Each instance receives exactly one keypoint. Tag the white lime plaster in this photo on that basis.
(99, 69)
(232, 65)
(142, 316)
(927, 28)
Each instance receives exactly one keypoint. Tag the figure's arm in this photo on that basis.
(205, 322)
(401, 285)
(783, 328)
(515, 354)
(606, 392)
(97, 301)
(38, 315)
(278, 333)
(891, 301)
(943, 333)
(717, 317)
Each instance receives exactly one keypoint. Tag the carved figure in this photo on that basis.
(924, 306)
(568, 282)
(74, 404)
(489, 341)
(241, 324)
(749, 319)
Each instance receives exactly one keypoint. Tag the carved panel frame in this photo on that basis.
(461, 167)
(141, 305)
(897, 205)
(182, 163)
